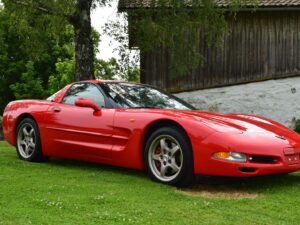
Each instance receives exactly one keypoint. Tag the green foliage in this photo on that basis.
(106, 70)
(64, 75)
(113, 70)
(30, 85)
(12, 58)
(53, 16)
(296, 123)
(129, 60)
(41, 30)
(25, 65)
(132, 74)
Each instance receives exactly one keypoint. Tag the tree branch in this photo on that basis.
(41, 8)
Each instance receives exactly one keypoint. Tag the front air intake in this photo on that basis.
(247, 169)
(262, 159)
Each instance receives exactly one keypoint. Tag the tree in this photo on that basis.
(112, 70)
(29, 86)
(64, 73)
(166, 25)
(25, 64)
(76, 13)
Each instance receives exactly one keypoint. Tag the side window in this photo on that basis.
(84, 90)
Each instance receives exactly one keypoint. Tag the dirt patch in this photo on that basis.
(218, 191)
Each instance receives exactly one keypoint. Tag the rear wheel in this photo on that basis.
(28, 143)
(168, 157)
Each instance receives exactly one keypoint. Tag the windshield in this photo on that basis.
(127, 95)
(52, 97)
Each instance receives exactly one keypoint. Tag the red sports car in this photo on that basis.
(141, 127)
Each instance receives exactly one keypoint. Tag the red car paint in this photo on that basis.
(117, 136)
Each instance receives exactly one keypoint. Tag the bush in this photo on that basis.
(30, 85)
(296, 123)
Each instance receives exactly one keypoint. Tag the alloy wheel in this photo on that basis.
(165, 157)
(26, 140)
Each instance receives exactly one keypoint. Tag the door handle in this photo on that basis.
(56, 109)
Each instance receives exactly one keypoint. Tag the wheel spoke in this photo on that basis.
(22, 142)
(156, 157)
(175, 149)
(31, 133)
(26, 150)
(32, 145)
(163, 170)
(163, 144)
(174, 166)
(25, 131)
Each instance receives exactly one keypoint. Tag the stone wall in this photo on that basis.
(275, 99)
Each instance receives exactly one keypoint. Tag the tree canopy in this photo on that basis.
(46, 44)
(36, 59)
(25, 65)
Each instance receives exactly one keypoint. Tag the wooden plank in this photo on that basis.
(261, 45)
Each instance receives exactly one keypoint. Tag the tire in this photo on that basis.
(28, 141)
(168, 157)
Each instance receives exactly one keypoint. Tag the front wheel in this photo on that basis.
(28, 143)
(168, 157)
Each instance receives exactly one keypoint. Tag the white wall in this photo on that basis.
(275, 99)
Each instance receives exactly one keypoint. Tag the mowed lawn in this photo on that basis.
(69, 192)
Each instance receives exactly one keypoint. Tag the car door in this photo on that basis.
(77, 132)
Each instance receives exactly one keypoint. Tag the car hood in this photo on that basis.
(254, 126)
(241, 123)
(235, 123)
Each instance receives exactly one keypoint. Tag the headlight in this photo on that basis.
(231, 156)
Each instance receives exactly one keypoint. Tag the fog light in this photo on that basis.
(231, 156)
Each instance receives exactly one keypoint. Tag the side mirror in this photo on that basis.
(87, 103)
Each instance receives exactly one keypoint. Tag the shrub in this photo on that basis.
(30, 85)
(296, 123)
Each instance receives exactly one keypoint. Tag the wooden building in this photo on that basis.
(262, 45)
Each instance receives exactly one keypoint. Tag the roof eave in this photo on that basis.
(246, 9)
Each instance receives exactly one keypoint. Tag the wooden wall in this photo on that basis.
(261, 46)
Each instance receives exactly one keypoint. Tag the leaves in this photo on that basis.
(128, 59)
(64, 74)
(30, 86)
(296, 123)
(24, 60)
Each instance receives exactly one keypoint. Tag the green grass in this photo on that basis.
(69, 192)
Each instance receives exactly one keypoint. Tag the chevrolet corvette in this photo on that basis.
(141, 127)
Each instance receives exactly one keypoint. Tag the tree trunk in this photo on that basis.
(84, 48)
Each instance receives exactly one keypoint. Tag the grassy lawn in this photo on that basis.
(68, 192)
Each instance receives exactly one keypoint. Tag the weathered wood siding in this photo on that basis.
(261, 46)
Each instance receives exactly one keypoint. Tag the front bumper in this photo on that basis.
(223, 168)
(287, 157)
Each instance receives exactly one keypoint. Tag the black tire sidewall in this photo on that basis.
(185, 177)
